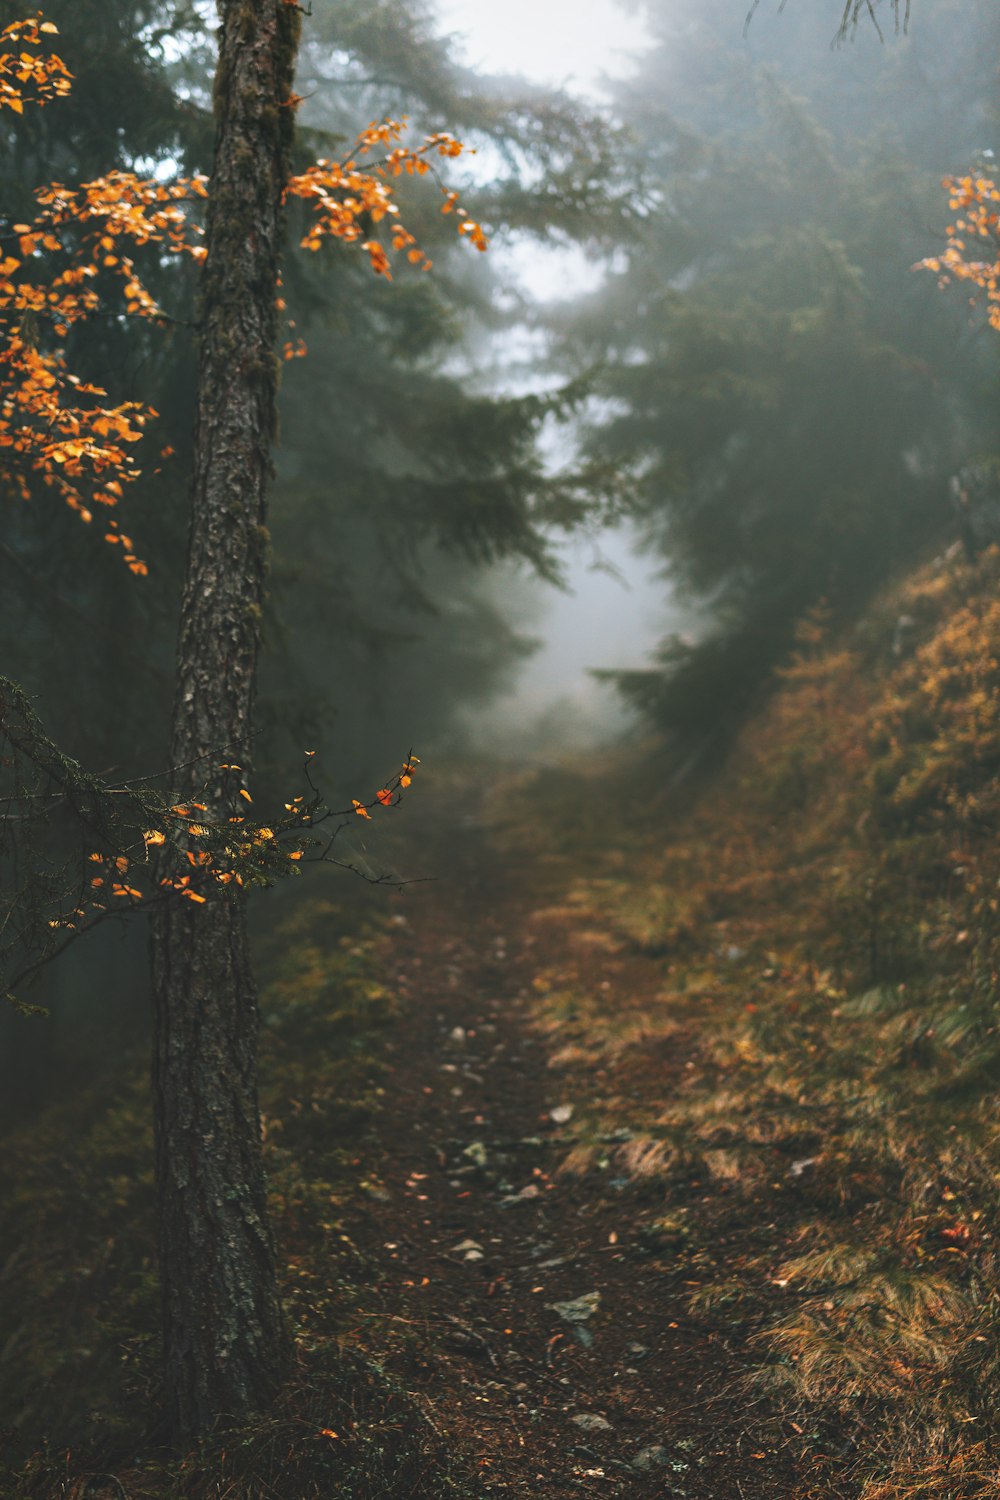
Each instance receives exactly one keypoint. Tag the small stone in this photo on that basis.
(579, 1309)
(514, 1200)
(477, 1153)
(464, 1245)
(648, 1459)
(561, 1114)
(473, 1255)
(457, 1034)
(590, 1422)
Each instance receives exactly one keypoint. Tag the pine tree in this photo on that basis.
(773, 368)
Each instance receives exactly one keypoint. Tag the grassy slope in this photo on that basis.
(826, 922)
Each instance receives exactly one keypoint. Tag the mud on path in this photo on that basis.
(519, 1303)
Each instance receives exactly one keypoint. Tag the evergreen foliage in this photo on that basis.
(790, 400)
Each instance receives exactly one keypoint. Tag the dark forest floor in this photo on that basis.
(479, 1231)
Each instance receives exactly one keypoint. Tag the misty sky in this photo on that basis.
(601, 622)
(553, 41)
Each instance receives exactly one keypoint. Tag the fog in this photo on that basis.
(608, 615)
(556, 42)
(695, 375)
(548, 699)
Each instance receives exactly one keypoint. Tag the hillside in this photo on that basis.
(824, 923)
(650, 1150)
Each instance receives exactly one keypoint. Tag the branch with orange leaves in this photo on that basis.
(79, 258)
(342, 195)
(27, 74)
(972, 253)
(80, 849)
(53, 274)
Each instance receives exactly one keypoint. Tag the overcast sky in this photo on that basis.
(569, 42)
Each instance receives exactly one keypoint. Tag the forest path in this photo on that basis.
(473, 1232)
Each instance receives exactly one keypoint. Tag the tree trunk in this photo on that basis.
(225, 1346)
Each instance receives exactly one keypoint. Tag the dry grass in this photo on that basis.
(824, 923)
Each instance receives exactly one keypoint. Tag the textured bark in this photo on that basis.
(225, 1346)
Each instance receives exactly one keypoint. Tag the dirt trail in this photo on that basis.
(634, 1397)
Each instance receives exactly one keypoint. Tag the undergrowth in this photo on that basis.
(825, 1163)
(79, 1383)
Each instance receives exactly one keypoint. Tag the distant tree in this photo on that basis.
(772, 373)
